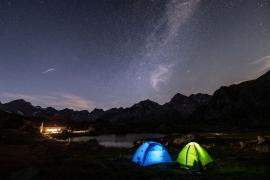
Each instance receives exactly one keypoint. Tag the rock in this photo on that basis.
(260, 139)
(138, 142)
(166, 143)
(178, 141)
(207, 146)
(184, 139)
(242, 144)
(263, 148)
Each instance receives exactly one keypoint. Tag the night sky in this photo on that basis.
(83, 54)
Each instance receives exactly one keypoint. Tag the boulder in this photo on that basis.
(184, 139)
(242, 144)
(260, 139)
(263, 148)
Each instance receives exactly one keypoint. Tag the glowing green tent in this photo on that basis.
(193, 155)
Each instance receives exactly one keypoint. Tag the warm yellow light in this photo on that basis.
(41, 127)
(53, 130)
(80, 131)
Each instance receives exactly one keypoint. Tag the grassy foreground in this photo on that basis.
(32, 156)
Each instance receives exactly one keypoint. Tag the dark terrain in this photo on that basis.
(27, 155)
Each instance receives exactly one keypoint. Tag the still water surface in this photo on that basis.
(118, 141)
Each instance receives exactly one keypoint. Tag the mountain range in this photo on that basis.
(181, 105)
(246, 104)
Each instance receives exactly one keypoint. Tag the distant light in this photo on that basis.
(53, 130)
(80, 131)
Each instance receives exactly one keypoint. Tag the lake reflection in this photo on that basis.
(118, 141)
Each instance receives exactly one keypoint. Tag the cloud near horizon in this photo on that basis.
(57, 101)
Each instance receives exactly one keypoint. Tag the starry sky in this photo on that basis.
(109, 53)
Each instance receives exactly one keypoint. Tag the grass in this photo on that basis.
(39, 158)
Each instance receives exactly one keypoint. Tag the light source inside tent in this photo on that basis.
(150, 153)
(192, 155)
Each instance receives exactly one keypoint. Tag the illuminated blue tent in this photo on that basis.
(150, 153)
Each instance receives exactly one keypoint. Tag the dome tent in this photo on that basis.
(194, 156)
(150, 153)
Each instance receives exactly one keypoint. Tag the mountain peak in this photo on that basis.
(50, 109)
(97, 110)
(19, 106)
(178, 98)
(146, 103)
(19, 102)
(67, 110)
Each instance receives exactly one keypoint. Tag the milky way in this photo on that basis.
(111, 53)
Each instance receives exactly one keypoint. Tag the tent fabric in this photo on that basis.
(193, 155)
(150, 153)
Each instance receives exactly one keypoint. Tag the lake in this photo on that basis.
(117, 141)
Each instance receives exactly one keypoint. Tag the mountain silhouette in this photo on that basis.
(243, 105)
(240, 105)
